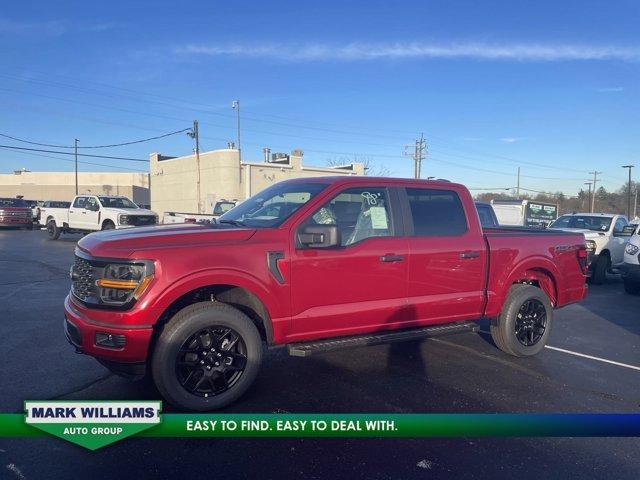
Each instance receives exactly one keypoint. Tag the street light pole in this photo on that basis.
(236, 106)
(628, 167)
(75, 149)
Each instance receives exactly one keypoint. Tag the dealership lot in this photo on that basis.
(592, 366)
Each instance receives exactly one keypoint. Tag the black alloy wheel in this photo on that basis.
(211, 361)
(530, 322)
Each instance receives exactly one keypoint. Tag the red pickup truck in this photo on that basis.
(315, 264)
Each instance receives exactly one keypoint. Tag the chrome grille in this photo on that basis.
(83, 281)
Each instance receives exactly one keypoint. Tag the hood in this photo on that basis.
(131, 211)
(123, 243)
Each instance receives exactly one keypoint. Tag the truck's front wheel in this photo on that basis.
(524, 325)
(207, 355)
(53, 230)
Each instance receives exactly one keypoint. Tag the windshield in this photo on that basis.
(583, 222)
(116, 202)
(272, 206)
(12, 202)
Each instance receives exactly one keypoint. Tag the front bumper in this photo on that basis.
(81, 331)
(630, 271)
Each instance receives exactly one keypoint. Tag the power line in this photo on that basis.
(84, 163)
(12, 147)
(30, 142)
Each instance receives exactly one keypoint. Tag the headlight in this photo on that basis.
(123, 219)
(122, 283)
(631, 249)
(591, 245)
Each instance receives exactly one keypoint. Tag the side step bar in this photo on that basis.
(309, 348)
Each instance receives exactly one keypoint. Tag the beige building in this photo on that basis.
(220, 175)
(62, 185)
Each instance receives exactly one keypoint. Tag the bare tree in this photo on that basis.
(370, 168)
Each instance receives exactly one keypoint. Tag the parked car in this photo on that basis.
(487, 216)
(90, 213)
(350, 261)
(221, 207)
(605, 236)
(524, 213)
(631, 267)
(15, 212)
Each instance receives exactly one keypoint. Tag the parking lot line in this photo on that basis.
(578, 354)
(604, 360)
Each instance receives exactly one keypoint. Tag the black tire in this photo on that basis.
(53, 230)
(599, 275)
(176, 334)
(632, 288)
(512, 316)
(108, 225)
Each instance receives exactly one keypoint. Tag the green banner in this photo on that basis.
(283, 425)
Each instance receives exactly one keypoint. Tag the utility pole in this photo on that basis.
(236, 106)
(518, 185)
(419, 153)
(629, 167)
(589, 197)
(75, 149)
(635, 203)
(595, 190)
(195, 134)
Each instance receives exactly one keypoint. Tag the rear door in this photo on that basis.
(361, 285)
(447, 256)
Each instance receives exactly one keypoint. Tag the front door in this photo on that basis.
(91, 215)
(360, 285)
(77, 212)
(447, 258)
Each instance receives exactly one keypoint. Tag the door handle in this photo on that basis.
(391, 258)
(470, 254)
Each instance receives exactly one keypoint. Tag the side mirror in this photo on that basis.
(319, 236)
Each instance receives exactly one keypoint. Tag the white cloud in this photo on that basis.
(609, 89)
(51, 27)
(417, 50)
(511, 139)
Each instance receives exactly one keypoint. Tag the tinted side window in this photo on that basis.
(486, 219)
(359, 213)
(436, 212)
(79, 203)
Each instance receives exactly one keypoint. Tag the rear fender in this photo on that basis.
(533, 269)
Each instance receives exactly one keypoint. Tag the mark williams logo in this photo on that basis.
(92, 424)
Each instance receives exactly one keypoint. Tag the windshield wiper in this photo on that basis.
(236, 223)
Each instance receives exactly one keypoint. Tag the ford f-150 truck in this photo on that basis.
(315, 264)
(605, 236)
(90, 213)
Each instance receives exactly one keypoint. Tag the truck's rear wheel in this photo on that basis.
(53, 230)
(599, 275)
(524, 325)
(206, 357)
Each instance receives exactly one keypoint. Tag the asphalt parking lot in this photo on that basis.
(593, 366)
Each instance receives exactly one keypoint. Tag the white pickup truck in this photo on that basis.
(605, 235)
(90, 213)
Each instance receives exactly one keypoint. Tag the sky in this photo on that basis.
(550, 87)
